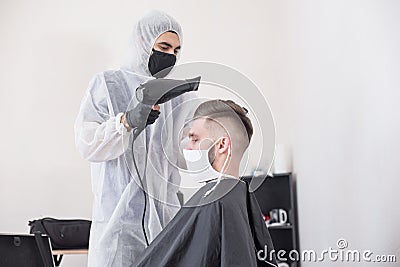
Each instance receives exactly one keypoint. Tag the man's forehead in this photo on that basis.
(169, 39)
(197, 126)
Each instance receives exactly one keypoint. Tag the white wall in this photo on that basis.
(329, 69)
(344, 92)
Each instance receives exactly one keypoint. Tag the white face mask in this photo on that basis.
(199, 167)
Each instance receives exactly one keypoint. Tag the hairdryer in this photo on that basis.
(161, 90)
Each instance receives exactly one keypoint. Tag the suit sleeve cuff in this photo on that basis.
(118, 125)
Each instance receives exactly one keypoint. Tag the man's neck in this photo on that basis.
(233, 169)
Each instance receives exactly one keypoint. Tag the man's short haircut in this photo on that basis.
(227, 110)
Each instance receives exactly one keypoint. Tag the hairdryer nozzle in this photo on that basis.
(194, 83)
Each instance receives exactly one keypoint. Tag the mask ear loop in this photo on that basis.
(221, 173)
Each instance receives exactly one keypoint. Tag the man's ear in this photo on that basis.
(223, 145)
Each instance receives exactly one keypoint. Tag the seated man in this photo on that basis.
(221, 225)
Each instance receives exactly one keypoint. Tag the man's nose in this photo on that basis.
(171, 51)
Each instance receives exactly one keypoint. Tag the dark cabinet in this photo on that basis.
(279, 192)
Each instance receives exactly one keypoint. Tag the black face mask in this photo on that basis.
(159, 61)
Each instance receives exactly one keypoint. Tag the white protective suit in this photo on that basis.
(116, 237)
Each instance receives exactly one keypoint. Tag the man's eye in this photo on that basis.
(164, 48)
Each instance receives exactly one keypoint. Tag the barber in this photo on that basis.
(114, 129)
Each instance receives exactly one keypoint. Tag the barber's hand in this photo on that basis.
(142, 115)
(160, 90)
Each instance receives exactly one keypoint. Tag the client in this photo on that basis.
(222, 224)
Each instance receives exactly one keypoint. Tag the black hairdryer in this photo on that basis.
(161, 90)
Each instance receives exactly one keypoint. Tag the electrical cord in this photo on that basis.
(141, 183)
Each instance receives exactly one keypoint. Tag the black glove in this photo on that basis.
(160, 90)
(141, 116)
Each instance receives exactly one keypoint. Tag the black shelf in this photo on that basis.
(280, 227)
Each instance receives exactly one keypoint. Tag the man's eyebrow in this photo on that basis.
(168, 44)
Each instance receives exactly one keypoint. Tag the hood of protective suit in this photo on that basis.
(145, 33)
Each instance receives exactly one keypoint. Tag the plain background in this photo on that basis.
(329, 69)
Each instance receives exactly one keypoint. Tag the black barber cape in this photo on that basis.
(225, 228)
